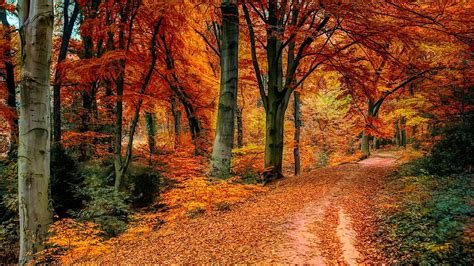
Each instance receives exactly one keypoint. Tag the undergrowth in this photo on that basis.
(428, 219)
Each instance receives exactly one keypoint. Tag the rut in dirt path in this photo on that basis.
(305, 246)
(315, 218)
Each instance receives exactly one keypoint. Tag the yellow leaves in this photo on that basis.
(200, 193)
(341, 157)
(78, 239)
(441, 248)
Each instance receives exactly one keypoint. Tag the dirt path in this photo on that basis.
(324, 217)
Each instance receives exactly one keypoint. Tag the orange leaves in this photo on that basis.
(9, 7)
(85, 71)
(72, 240)
(200, 193)
(248, 160)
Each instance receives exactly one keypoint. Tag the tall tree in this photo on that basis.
(224, 138)
(68, 25)
(36, 29)
(127, 13)
(9, 78)
(292, 27)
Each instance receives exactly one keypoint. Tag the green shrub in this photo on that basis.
(8, 210)
(104, 206)
(455, 152)
(323, 158)
(144, 185)
(433, 218)
(66, 181)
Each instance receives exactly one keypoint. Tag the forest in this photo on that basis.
(319, 132)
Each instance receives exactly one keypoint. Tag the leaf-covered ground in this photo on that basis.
(326, 216)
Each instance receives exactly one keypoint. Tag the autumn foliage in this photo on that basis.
(136, 88)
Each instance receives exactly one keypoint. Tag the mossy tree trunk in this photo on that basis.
(36, 28)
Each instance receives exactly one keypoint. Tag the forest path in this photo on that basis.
(323, 217)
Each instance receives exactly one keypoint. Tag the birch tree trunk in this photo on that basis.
(36, 28)
(224, 139)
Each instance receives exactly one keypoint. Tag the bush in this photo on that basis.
(431, 220)
(104, 206)
(323, 158)
(144, 185)
(66, 182)
(455, 152)
(8, 210)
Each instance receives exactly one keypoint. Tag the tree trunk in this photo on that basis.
(177, 122)
(274, 139)
(118, 131)
(377, 143)
(36, 28)
(66, 36)
(150, 120)
(364, 146)
(365, 143)
(403, 132)
(397, 133)
(277, 101)
(224, 138)
(121, 166)
(297, 118)
(240, 128)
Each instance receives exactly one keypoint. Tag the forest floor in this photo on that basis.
(326, 216)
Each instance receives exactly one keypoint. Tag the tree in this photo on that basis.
(68, 25)
(224, 136)
(36, 29)
(9, 78)
(291, 26)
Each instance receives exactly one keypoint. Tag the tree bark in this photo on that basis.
(36, 28)
(118, 130)
(176, 122)
(150, 119)
(365, 142)
(297, 118)
(403, 132)
(397, 133)
(224, 139)
(274, 138)
(240, 128)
